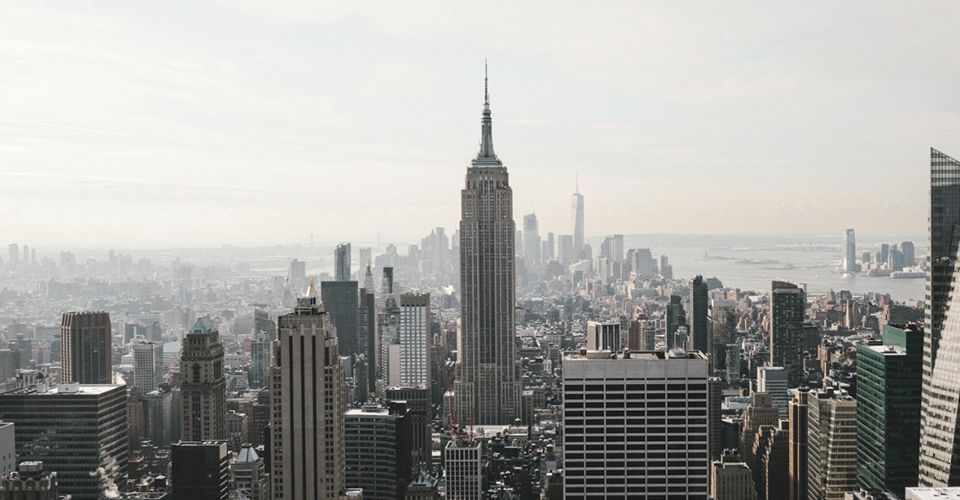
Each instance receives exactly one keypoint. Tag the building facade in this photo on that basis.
(85, 344)
(204, 386)
(787, 308)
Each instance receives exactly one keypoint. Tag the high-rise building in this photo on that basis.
(565, 252)
(148, 365)
(249, 476)
(603, 335)
(551, 248)
(85, 340)
(889, 381)
(531, 241)
(578, 230)
(204, 385)
(849, 262)
(641, 445)
(261, 347)
(773, 381)
(78, 431)
(417, 400)
(642, 335)
(29, 482)
(342, 303)
(832, 444)
(8, 449)
(699, 317)
(787, 308)
(13, 255)
(377, 450)
(797, 446)
(761, 412)
(415, 340)
(367, 331)
(731, 479)
(487, 385)
(939, 440)
(309, 400)
(676, 317)
(297, 272)
(463, 461)
(341, 257)
(200, 470)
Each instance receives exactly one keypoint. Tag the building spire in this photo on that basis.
(486, 153)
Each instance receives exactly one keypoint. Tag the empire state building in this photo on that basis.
(487, 386)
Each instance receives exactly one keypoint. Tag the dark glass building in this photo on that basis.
(200, 470)
(341, 301)
(787, 306)
(85, 347)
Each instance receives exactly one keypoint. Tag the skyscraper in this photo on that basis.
(676, 318)
(787, 307)
(464, 469)
(415, 340)
(630, 385)
(148, 366)
(341, 257)
(204, 385)
(341, 300)
(487, 387)
(849, 263)
(797, 446)
(260, 349)
(603, 335)
(577, 208)
(939, 441)
(200, 470)
(531, 241)
(565, 252)
(85, 355)
(309, 400)
(832, 444)
(699, 319)
(377, 454)
(773, 381)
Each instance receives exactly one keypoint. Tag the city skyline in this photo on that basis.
(224, 131)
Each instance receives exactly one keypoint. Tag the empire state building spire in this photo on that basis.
(486, 154)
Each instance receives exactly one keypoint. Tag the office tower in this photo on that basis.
(578, 230)
(787, 306)
(832, 444)
(797, 446)
(341, 257)
(200, 470)
(13, 255)
(603, 336)
(463, 461)
(386, 282)
(367, 332)
(487, 385)
(89, 423)
(249, 476)
(309, 400)
(29, 482)
(638, 386)
(773, 381)
(204, 385)
(939, 441)
(158, 416)
(260, 349)
(676, 317)
(377, 450)
(85, 354)
(889, 381)
(531, 240)
(849, 262)
(297, 273)
(733, 364)
(551, 246)
(418, 403)
(909, 253)
(761, 412)
(731, 479)
(642, 335)
(366, 257)
(565, 252)
(340, 298)
(8, 450)
(715, 417)
(773, 462)
(388, 341)
(415, 340)
(699, 326)
(148, 366)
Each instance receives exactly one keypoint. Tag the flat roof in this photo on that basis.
(65, 390)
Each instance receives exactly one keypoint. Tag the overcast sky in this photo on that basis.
(204, 123)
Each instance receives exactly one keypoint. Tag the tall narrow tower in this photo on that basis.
(204, 386)
(487, 386)
(577, 207)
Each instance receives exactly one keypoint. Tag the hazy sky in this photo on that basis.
(200, 123)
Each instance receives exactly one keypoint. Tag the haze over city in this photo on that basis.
(246, 123)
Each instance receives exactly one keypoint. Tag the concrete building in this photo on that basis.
(148, 365)
(248, 474)
(487, 386)
(849, 261)
(90, 448)
(731, 479)
(377, 443)
(85, 344)
(309, 399)
(797, 446)
(342, 302)
(699, 317)
(415, 340)
(29, 482)
(634, 385)
(603, 336)
(761, 412)
(832, 444)
(418, 402)
(204, 385)
(200, 470)
(773, 381)
(921, 493)
(463, 464)
(341, 259)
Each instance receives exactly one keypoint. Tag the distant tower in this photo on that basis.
(578, 240)
(787, 308)
(309, 401)
(488, 382)
(85, 348)
(531, 241)
(204, 386)
(148, 367)
(699, 326)
(849, 252)
(415, 340)
(342, 262)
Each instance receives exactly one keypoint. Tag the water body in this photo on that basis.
(752, 262)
